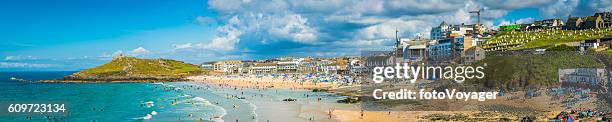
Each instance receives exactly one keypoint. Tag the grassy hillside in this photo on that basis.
(130, 67)
(531, 69)
(517, 40)
(606, 57)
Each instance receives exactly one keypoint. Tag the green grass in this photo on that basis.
(518, 40)
(606, 57)
(525, 70)
(130, 66)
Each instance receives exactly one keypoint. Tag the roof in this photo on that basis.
(232, 62)
(417, 47)
(377, 58)
(592, 18)
(341, 62)
(472, 50)
(210, 62)
(573, 19)
(264, 64)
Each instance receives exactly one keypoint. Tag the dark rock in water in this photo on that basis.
(319, 90)
(349, 100)
(289, 99)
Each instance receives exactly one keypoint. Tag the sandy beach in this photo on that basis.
(309, 109)
(260, 82)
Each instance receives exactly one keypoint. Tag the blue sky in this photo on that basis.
(77, 34)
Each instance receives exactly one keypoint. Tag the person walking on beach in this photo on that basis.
(361, 113)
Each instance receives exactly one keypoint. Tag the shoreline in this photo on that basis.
(261, 82)
(270, 105)
(107, 81)
(115, 80)
(268, 108)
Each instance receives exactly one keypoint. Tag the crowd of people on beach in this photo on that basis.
(582, 115)
(292, 81)
(257, 89)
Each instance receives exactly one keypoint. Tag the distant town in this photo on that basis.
(552, 53)
(448, 43)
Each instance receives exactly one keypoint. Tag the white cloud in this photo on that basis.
(227, 36)
(22, 65)
(268, 27)
(118, 52)
(428, 6)
(359, 43)
(257, 22)
(561, 8)
(519, 21)
(516, 4)
(182, 46)
(16, 58)
(564, 8)
(138, 51)
(323, 24)
(525, 20)
(203, 20)
(293, 27)
(493, 13)
(224, 6)
(386, 30)
(108, 56)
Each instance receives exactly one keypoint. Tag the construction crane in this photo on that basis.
(478, 24)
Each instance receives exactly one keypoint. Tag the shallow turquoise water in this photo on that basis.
(101, 101)
(172, 101)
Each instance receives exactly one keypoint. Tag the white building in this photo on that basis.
(207, 66)
(590, 44)
(288, 66)
(415, 53)
(263, 68)
(440, 32)
(444, 30)
(591, 76)
(228, 67)
(307, 67)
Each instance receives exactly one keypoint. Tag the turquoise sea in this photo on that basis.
(170, 101)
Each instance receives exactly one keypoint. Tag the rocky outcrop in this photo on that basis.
(130, 69)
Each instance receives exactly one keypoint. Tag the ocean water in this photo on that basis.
(103, 101)
(170, 101)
